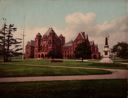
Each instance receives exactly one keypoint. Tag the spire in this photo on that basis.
(38, 35)
(61, 35)
(106, 41)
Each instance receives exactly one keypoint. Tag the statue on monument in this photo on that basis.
(106, 53)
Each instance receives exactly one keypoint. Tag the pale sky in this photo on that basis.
(69, 17)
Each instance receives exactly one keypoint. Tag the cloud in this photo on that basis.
(80, 18)
(78, 22)
(117, 28)
(114, 26)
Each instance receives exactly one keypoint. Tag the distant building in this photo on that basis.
(29, 49)
(42, 45)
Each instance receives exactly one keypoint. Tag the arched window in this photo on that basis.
(42, 55)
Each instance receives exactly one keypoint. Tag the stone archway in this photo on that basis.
(38, 55)
(42, 55)
(94, 57)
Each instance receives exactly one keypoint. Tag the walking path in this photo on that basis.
(117, 74)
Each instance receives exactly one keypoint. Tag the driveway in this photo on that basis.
(116, 74)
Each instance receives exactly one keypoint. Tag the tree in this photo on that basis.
(83, 50)
(54, 54)
(10, 46)
(121, 50)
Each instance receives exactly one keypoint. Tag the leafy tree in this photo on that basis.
(83, 51)
(54, 54)
(9, 46)
(121, 50)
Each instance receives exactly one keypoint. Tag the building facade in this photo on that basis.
(69, 48)
(29, 49)
(42, 45)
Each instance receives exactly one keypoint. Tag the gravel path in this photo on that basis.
(117, 74)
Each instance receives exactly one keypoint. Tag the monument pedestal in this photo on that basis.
(106, 53)
(106, 60)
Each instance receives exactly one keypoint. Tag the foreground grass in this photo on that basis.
(8, 70)
(65, 89)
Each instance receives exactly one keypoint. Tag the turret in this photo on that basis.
(62, 38)
(38, 42)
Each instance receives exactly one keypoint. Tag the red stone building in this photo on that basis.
(29, 49)
(69, 48)
(46, 43)
(50, 41)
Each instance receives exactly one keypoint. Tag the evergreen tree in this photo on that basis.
(9, 46)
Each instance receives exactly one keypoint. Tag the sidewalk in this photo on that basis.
(117, 74)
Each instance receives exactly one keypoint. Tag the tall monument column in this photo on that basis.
(106, 53)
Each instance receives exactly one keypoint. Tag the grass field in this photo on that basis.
(60, 89)
(8, 70)
(65, 89)
(73, 63)
(122, 60)
(34, 67)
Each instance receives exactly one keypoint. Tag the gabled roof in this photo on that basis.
(50, 30)
(61, 35)
(82, 35)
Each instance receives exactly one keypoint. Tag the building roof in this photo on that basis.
(38, 35)
(61, 35)
(31, 43)
(50, 30)
(91, 43)
(68, 44)
(82, 34)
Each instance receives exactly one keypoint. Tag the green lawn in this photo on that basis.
(90, 63)
(122, 60)
(112, 66)
(65, 89)
(7, 70)
(33, 67)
